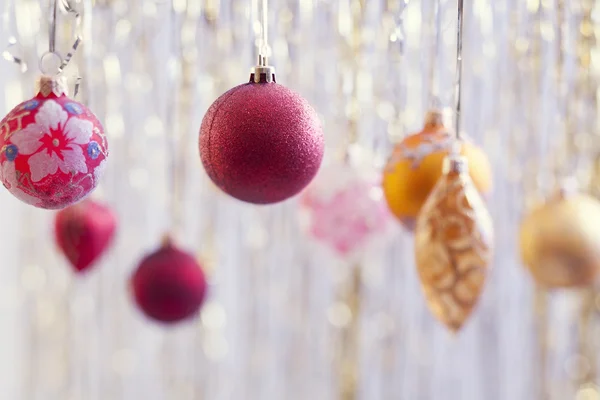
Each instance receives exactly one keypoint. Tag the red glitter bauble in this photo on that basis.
(84, 231)
(52, 149)
(169, 285)
(261, 142)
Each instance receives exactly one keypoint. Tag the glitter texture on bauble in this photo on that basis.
(168, 285)
(52, 149)
(260, 142)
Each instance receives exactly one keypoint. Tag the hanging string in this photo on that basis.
(263, 39)
(434, 95)
(458, 87)
(265, 28)
(173, 139)
(52, 53)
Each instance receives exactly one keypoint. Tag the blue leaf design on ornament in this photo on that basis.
(11, 152)
(93, 150)
(73, 108)
(31, 105)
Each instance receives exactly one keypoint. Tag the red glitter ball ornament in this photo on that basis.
(260, 142)
(169, 285)
(84, 231)
(52, 149)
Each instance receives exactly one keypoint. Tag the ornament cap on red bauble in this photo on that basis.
(169, 285)
(47, 85)
(53, 149)
(84, 231)
(260, 142)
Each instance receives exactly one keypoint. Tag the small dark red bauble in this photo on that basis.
(261, 142)
(169, 285)
(84, 231)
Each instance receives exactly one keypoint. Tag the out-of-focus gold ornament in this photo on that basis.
(453, 245)
(560, 240)
(415, 166)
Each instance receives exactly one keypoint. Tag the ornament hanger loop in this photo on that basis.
(50, 63)
(58, 63)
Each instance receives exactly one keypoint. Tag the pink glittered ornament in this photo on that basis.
(260, 142)
(52, 149)
(84, 231)
(344, 210)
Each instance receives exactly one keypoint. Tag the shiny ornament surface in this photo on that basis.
(168, 285)
(416, 164)
(52, 149)
(453, 245)
(84, 231)
(261, 142)
(344, 209)
(560, 240)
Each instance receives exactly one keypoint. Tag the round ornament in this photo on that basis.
(52, 149)
(453, 245)
(560, 240)
(168, 285)
(344, 210)
(416, 164)
(84, 231)
(260, 142)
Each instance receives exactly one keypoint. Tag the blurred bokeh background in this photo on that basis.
(286, 317)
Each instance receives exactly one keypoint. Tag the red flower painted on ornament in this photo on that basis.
(52, 151)
(54, 142)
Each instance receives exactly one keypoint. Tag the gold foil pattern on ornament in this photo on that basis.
(453, 245)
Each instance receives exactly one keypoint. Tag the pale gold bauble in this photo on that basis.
(453, 245)
(560, 240)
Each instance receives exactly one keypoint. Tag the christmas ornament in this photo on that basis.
(168, 285)
(416, 165)
(560, 240)
(344, 209)
(52, 149)
(84, 231)
(260, 142)
(453, 245)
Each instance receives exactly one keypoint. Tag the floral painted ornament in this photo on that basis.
(52, 149)
(345, 210)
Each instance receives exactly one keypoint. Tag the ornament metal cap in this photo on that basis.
(262, 73)
(437, 117)
(455, 164)
(57, 85)
(566, 188)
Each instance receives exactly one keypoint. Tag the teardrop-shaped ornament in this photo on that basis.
(453, 245)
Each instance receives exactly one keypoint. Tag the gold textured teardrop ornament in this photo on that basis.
(453, 245)
(560, 240)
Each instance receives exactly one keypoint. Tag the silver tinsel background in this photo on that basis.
(276, 315)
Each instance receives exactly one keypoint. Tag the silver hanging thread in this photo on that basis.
(458, 87)
(434, 99)
(65, 6)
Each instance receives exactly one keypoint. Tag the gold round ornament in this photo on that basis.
(453, 245)
(416, 163)
(560, 240)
